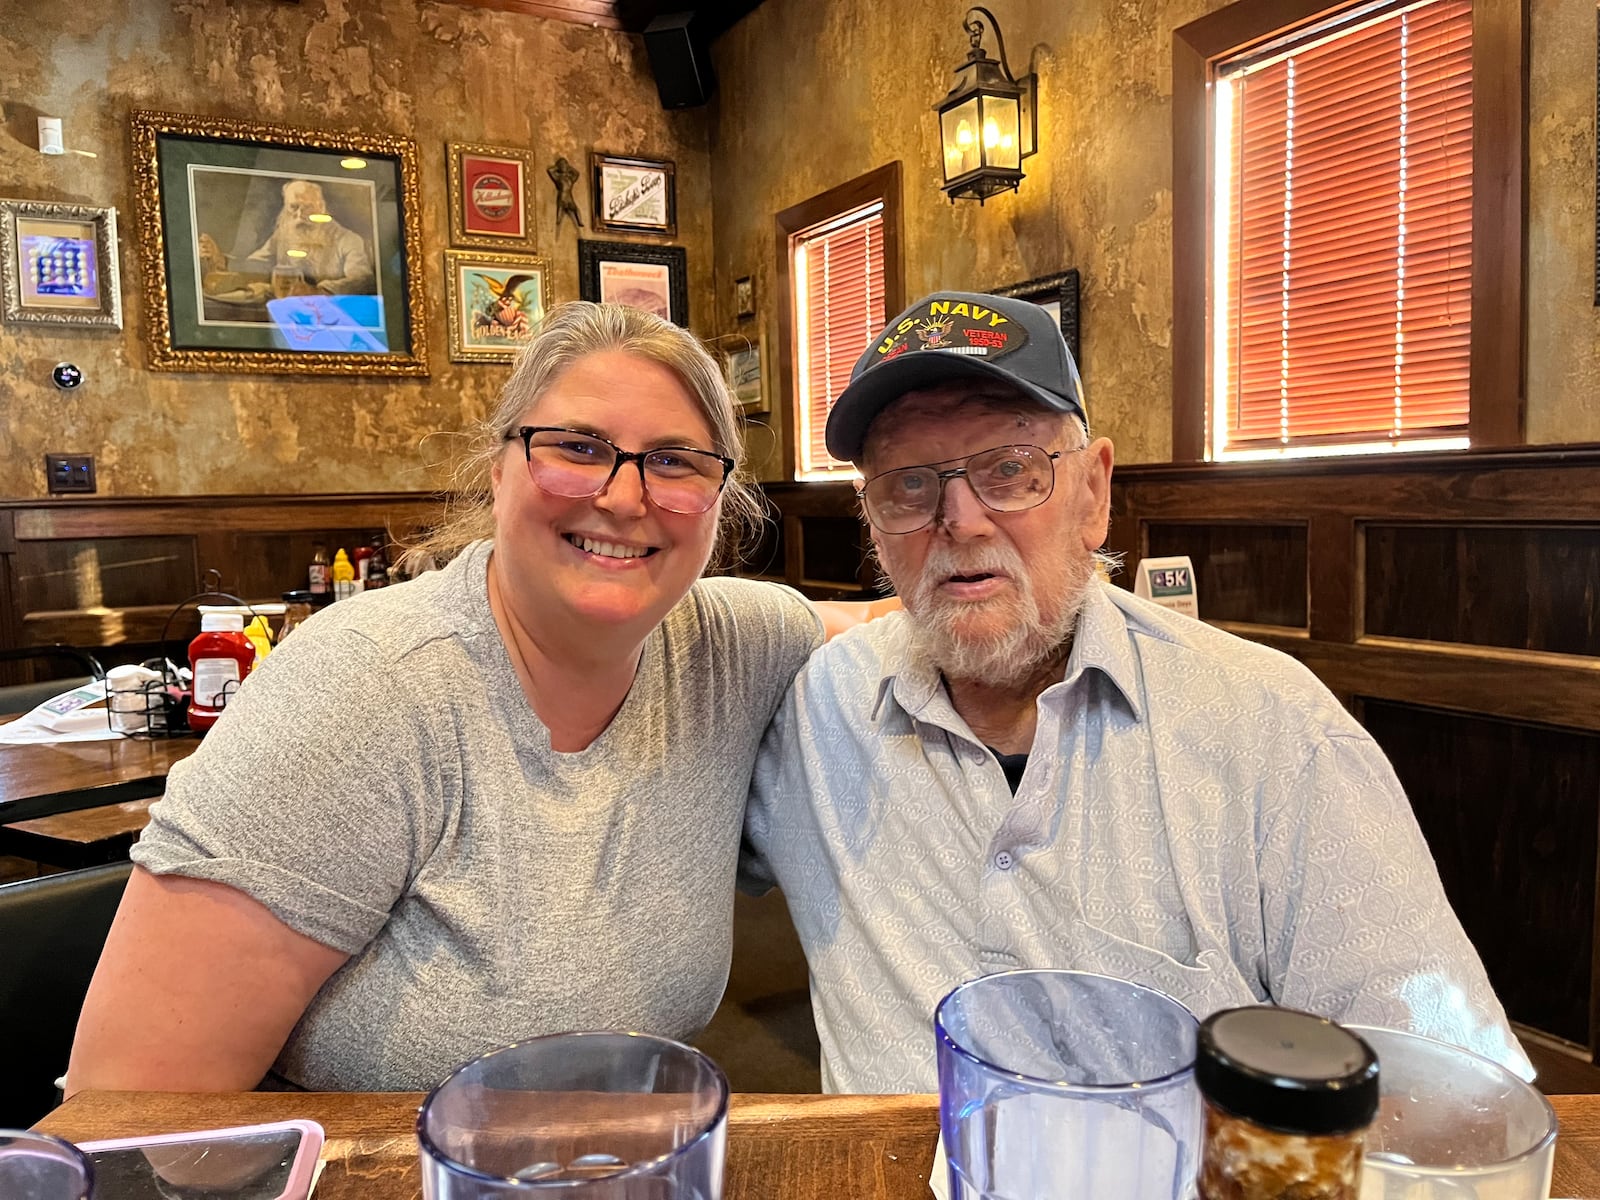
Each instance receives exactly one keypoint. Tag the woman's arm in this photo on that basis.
(197, 990)
(839, 615)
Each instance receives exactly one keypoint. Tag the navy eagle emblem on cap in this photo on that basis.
(953, 327)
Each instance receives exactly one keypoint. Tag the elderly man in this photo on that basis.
(1031, 768)
(305, 237)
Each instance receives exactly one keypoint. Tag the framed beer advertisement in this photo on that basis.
(278, 250)
(654, 278)
(495, 302)
(58, 264)
(490, 204)
(634, 195)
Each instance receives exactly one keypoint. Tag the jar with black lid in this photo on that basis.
(1288, 1097)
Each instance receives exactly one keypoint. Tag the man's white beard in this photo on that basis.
(1018, 639)
(295, 231)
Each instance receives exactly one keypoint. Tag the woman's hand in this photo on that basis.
(839, 615)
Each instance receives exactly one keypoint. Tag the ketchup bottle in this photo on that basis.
(220, 658)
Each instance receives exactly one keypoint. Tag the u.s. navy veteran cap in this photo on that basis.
(946, 336)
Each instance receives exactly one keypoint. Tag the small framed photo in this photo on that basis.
(495, 303)
(654, 278)
(744, 298)
(490, 201)
(747, 374)
(634, 195)
(1059, 294)
(58, 264)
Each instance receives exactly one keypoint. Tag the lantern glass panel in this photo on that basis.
(960, 131)
(1002, 129)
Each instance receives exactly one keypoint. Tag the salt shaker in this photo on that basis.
(1288, 1097)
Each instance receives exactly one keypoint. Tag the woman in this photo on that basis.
(501, 800)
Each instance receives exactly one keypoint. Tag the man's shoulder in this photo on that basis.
(851, 665)
(1177, 651)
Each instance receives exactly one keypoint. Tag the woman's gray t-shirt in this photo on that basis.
(382, 785)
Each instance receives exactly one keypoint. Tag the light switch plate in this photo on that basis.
(69, 473)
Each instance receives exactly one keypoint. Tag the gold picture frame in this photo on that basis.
(334, 283)
(58, 264)
(484, 325)
(491, 195)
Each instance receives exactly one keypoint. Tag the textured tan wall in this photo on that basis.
(434, 72)
(816, 92)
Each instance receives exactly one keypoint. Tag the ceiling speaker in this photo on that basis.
(680, 59)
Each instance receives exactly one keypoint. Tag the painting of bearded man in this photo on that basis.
(283, 237)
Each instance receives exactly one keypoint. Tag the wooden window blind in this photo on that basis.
(1343, 258)
(839, 308)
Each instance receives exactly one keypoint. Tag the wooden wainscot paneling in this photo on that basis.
(1510, 812)
(1254, 574)
(108, 572)
(823, 539)
(1453, 603)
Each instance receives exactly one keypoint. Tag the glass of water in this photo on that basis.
(1453, 1126)
(582, 1116)
(1061, 1084)
(40, 1167)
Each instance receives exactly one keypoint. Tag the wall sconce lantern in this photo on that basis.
(989, 122)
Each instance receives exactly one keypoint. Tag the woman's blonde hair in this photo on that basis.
(571, 332)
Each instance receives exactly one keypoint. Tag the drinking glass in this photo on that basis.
(1453, 1126)
(582, 1116)
(1062, 1084)
(40, 1167)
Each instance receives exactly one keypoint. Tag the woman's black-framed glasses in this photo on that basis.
(577, 465)
(1003, 478)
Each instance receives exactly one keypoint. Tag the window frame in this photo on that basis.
(1496, 399)
(882, 186)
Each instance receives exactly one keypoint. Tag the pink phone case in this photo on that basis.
(302, 1171)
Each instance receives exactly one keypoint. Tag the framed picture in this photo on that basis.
(1059, 294)
(634, 195)
(744, 298)
(654, 278)
(495, 303)
(747, 374)
(58, 264)
(270, 249)
(490, 201)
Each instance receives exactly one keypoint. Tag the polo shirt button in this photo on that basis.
(1003, 860)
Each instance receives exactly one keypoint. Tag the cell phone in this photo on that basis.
(249, 1162)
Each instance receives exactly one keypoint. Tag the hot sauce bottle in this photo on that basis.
(220, 658)
(1288, 1097)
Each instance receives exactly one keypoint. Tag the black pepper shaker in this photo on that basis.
(1288, 1097)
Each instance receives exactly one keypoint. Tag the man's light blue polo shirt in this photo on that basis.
(1198, 814)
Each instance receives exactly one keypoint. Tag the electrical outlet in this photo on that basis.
(69, 473)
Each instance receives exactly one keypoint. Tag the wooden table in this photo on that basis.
(779, 1147)
(45, 779)
(78, 839)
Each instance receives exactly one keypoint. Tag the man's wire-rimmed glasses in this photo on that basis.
(577, 465)
(1003, 478)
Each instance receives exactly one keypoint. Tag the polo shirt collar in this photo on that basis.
(1101, 643)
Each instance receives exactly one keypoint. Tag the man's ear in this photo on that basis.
(1096, 496)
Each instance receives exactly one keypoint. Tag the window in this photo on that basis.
(840, 279)
(1336, 261)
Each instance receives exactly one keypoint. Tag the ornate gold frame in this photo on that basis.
(147, 127)
(456, 305)
(459, 236)
(104, 220)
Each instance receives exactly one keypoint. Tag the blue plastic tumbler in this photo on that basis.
(579, 1116)
(1056, 1085)
(40, 1167)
